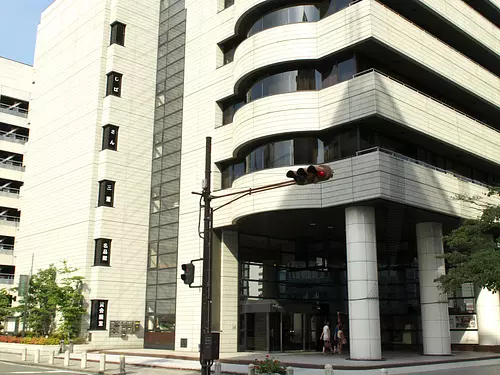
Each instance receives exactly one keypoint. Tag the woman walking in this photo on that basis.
(326, 336)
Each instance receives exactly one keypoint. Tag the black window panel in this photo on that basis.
(114, 84)
(118, 33)
(102, 252)
(98, 315)
(110, 137)
(106, 193)
(228, 3)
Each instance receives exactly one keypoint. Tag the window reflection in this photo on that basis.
(340, 144)
(295, 14)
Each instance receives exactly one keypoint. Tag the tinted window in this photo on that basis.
(118, 33)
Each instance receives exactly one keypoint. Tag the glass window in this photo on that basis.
(255, 161)
(346, 69)
(228, 3)
(279, 154)
(305, 150)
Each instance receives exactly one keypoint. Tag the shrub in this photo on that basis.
(269, 366)
(30, 340)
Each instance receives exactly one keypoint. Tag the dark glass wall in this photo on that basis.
(164, 214)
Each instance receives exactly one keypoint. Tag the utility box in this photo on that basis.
(210, 347)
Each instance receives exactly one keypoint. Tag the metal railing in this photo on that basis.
(415, 161)
(11, 164)
(9, 218)
(13, 137)
(9, 190)
(6, 278)
(422, 93)
(16, 111)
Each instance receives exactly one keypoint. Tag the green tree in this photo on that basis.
(46, 298)
(5, 304)
(473, 249)
(71, 302)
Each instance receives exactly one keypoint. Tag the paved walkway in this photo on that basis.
(303, 363)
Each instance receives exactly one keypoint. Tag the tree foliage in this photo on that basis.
(5, 304)
(473, 249)
(47, 297)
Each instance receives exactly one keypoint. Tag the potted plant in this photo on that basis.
(269, 366)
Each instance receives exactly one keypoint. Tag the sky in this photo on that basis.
(18, 23)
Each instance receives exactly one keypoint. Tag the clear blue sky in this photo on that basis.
(18, 23)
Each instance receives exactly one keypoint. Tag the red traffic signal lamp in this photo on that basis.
(312, 175)
(188, 275)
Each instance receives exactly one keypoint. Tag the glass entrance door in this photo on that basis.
(275, 332)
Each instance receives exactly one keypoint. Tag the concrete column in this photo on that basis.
(229, 292)
(434, 303)
(488, 317)
(362, 284)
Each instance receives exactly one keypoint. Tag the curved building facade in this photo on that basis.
(404, 112)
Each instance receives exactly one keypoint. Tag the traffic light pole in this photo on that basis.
(206, 293)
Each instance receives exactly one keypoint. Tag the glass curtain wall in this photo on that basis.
(164, 217)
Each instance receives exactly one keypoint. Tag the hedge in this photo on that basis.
(30, 340)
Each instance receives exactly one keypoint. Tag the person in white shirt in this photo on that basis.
(326, 337)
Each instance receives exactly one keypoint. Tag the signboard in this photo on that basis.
(24, 281)
(101, 314)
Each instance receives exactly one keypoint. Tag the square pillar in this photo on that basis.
(362, 284)
(229, 292)
(434, 303)
(488, 317)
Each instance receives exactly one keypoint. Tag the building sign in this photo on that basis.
(102, 252)
(463, 322)
(106, 193)
(110, 137)
(24, 281)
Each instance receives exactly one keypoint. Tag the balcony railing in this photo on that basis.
(415, 161)
(13, 110)
(6, 278)
(13, 137)
(11, 164)
(8, 191)
(14, 219)
(422, 93)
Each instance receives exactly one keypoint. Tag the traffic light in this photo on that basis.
(188, 275)
(312, 175)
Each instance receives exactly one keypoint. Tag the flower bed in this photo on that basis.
(30, 340)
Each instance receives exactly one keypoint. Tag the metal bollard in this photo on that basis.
(384, 371)
(37, 356)
(289, 371)
(102, 363)
(122, 364)
(83, 363)
(51, 357)
(328, 370)
(217, 368)
(251, 369)
(66, 358)
(24, 354)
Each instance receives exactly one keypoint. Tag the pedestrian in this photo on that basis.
(326, 337)
(341, 339)
(335, 339)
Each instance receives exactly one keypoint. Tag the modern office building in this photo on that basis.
(15, 88)
(86, 197)
(400, 98)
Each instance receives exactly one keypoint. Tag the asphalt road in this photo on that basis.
(482, 370)
(10, 368)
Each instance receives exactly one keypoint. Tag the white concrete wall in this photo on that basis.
(64, 154)
(15, 79)
(356, 179)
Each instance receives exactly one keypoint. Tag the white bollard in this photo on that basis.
(384, 371)
(66, 358)
(83, 363)
(328, 370)
(251, 369)
(24, 354)
(217, 368)
(37, 356)
(51, 357)
(289, 371)
(122, 364)
(102, 363)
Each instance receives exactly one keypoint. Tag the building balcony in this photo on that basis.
(385, 31)
(367, 95)
(372, 174)
(7, 254)
(6, 278)
(8, 225)
(14, 111)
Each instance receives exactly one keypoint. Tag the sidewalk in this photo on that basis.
(149, 361)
